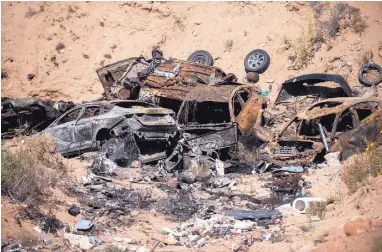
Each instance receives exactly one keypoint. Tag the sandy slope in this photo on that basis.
(179, 29)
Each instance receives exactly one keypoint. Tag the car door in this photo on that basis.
(85, 126)
(62, 130)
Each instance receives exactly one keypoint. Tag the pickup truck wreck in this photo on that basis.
(346, 125)
(160, 81)
(125, 130)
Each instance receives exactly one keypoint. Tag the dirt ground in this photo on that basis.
(99, 33)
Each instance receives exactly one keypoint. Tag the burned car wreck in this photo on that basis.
(28, 115)
(347, 125)
(300, 92)
(121, 128)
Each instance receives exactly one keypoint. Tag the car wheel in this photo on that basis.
(201, 57)
(257, 61)
(113, 149)
(363, 78)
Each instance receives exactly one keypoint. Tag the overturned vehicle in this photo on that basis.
(125, 130)
(157, 80)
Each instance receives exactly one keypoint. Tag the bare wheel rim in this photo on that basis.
(256, 59)
(200, 59)
(110, 149)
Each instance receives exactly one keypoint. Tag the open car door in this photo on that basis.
(113, 76)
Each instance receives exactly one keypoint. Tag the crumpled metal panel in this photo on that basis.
(248, 115)
(220, 93)
(294, 86)
(356, 140)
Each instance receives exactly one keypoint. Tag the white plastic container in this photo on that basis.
(301, 204)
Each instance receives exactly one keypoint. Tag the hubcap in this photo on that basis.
(256, 60)
(200, 59)
(111, 149)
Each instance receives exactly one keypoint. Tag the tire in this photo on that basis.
(363, 78)
(114, 149)
(201, 57)
(257, 61)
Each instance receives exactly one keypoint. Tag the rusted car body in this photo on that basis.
(164, 83)
(211, 117)
(298, 93)
(86, 127)
(343, 121)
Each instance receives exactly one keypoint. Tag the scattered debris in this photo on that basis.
(74, 210)
(83, 225)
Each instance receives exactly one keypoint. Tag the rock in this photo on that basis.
(244, 225)
(61, 51)
(80, 241)
(194, 33)
(270, 80)
(333, 159)
(125, 240)
(193, 238)
(349, 63)
(173, 183)
(74, 210)
(136, 164)
(104, 35)
(315, 218)
(201, 243)
(356, 225)
(30, 76)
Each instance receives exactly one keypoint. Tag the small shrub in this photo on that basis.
(113, 47)
(60, 46)
(72, 9)
(362, 169)
(350, 14)
(229, 45)
(245, 33)
(179, 23)
(318, 8)
(303, 49)
(29, 172)
(317, 208)
(107, 56)
(30, 12)
(365, 57)
(358, 24)
(328, 67)
(113, 249)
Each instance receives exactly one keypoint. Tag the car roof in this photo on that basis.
(314, 111)
(216, 93)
